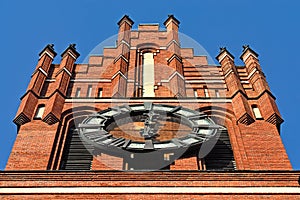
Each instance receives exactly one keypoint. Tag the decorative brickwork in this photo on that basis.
(226, 93)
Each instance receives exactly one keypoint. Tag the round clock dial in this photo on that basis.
(145, 128)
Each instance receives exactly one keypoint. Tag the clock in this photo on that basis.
(147, 136)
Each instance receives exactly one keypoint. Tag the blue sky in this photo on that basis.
(270, 27)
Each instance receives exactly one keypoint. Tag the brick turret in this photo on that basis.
(55, 103)
(235, 89)
(257, 79)
(177, 81)
(30, 98)
(119, 79)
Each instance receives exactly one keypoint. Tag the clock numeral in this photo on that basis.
(126, 143)
(148, 105)
(101, 138)
(118, 109)
(178, 142)
(196, 117)
(167, 156)
(94, 134)
(91, 125)
(175, 109)
(149, 145)
(205, 126)
(198, 137)
(128, 108)
(118, 142)
(114, 141)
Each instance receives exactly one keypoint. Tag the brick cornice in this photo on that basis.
(252, 98)
(56, 91)
(231, 97)
(29, 91)
(119, 57)
(237, 92)
(72, 48)
(126, 19)
(261, 94)
(228, 178)
(223, 53)
(40, 97)
(49, 48)
(249, 50)
(171, 18)
(174, 56)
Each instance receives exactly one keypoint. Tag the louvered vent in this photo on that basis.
(75, 155)
(221, 156)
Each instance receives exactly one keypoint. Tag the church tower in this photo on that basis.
(148, 117)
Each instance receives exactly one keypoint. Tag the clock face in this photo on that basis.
(147, 130)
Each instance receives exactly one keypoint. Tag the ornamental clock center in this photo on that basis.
(147, 136)
(161, 130)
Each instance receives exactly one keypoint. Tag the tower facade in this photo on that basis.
(152, 111)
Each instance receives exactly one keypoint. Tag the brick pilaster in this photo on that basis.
(177, 81)
(121, 62)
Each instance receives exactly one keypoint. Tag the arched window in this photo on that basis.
(195, 93)
(39, 111)
(76, 154)
(256, 112)
(206, 93)
(148, 75)
(221, 156)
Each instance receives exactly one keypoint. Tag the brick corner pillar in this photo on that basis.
(266, 100)
(236, 91)
(56, 101)
(262, 141)
(121, 62)
(34, 139)
(177, 80)
(29, 100)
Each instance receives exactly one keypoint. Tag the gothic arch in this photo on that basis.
(221, 156)
(69, 119)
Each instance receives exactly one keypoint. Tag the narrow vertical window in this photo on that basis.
(256, 112)
(100, 91)
(77, 94)
(206, 94)
(89, 91)
(217, 93)
(201, 164)
(39, 111)
(148, 75)
(195, 93)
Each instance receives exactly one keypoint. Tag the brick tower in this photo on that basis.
(148, 118)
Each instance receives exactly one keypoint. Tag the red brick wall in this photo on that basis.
(256, 143)
(33, 146)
